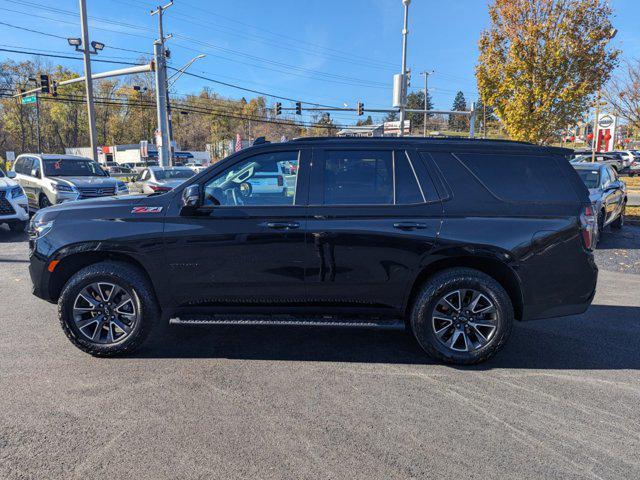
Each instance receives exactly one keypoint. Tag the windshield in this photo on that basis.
(64, 167)
(591, 178)
(170, 174)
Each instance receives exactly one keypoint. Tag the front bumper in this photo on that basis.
(20, 208)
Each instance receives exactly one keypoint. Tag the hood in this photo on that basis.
(86, 181)
(6, 182)
(119, 201)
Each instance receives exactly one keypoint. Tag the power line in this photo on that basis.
(69, 57)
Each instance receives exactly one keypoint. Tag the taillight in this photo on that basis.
(588, 225)
(280, 181)
(157, 188)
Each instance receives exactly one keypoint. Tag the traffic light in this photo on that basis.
(44, 83)
(54, 88)
(298, 108)
(360, 108)
(278, 108)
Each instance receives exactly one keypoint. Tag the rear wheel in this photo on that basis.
(107, 309)
(18, 226)
(462, 316)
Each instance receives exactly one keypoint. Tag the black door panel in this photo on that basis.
(243, 254)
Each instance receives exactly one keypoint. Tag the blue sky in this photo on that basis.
(326, 51)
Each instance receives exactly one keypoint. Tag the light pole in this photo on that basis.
(405, 33)
(96, 46)
(612, 33)
(426, 92)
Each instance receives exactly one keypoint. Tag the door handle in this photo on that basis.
(282, 225)
(410, 226)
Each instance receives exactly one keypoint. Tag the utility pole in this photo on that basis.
(426, 92)
(405, 33)
(162, 94)
(37, 94)
(88, 80)
(38, 122)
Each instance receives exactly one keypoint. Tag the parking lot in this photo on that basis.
(561, 400)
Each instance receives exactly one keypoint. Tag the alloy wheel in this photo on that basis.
(105, 313)
(464, 320)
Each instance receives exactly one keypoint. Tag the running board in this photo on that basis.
(290, 320)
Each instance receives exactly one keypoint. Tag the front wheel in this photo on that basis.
(462, 316)
(618, 223)
(107, 309)
(44, 202)
(18, 226)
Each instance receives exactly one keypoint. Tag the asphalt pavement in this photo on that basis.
(560, 401)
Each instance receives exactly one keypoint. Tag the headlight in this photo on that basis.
(17, 192)
(63, 188)
(38, 228)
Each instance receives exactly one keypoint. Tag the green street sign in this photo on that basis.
(29, 99)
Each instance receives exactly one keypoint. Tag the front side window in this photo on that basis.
(59, 167)
(260, 180)
(358, 177)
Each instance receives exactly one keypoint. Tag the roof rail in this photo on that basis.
(411, 139)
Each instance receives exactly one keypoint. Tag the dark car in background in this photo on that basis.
(608, 194)
(453, 239)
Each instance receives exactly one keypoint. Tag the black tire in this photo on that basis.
(18, 226)
(129, 278)
(44, 202)
(444, 283)
(618, 223)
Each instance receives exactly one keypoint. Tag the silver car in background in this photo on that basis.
(163, 179)
(13, 203)
(51, 179)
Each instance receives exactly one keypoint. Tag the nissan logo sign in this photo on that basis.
(605, 122)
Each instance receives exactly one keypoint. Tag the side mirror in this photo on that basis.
(35, 172)
(191, 197)
(11, 174)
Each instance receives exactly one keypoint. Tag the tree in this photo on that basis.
(541, 61)
(416, 100)
(367, 121)
(391, 117)
(623, 94)
(459, 122)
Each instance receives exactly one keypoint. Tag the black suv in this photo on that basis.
(452, 238)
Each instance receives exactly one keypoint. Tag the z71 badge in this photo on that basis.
(146, 210)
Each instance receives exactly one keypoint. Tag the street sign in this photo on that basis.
(10, 155)
(29, 99)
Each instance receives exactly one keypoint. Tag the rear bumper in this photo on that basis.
(576, 307)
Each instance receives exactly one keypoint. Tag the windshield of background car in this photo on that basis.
(172, 174)
(591, 178)
(1, 173)
(64, 167)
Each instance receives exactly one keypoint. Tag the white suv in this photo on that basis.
(13, 203)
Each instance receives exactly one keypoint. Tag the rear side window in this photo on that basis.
(358, 177)
(18, 166)
(407, 187)
(520, 178)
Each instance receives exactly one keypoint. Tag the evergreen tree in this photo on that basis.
(391, 117)
(416, 100)
(458, 122)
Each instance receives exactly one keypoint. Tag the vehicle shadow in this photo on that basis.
(7, 236)
(627, 238)
(605, 337)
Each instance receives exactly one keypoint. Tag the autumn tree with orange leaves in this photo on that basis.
(542, 61)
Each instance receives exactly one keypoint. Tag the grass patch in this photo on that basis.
(632, 182)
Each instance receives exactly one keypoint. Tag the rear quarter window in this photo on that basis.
(520, 178)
